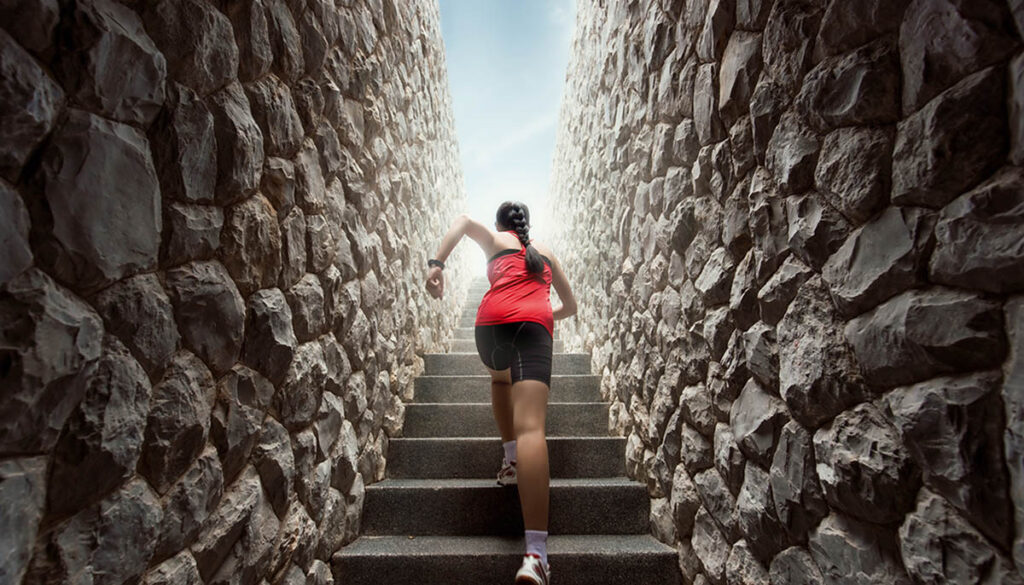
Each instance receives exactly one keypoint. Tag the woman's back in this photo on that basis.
(516, 294)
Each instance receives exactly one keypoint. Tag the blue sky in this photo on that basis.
(506, 68)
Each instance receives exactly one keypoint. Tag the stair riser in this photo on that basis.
(477, 420)
(478, 389)
(494, 511)
(469, 346)
(566, 569)
(441, 364)
(481, 458)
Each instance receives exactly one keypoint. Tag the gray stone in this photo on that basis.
(179, 420)
(756, 517)
(189, 503)
(306, 299)
(196, 40)
(29, 104)
(762, 355)
(310, 187)
(297, 400)
(952, 143)
(794, 566)
(272, 107)
(191, 232)
(741, 66)
(953, 428)
(718, 501)
(696, 452)
(741, 568)
(757, 419)
(978, 237)
(138, 311)
(941, 42)
(102, 440)
(275, 463)
(250, 244)
(1013, 399)
(850, 552)
(1017, 105)
(816, 229)
(743, 295)
(293, 247)
(767, 104)
(44, 356)
(243, 397)
(22, 501)
(684, 501)
(847, 25)
(661, 522)
(269, 338)
(705, 109)
(224, 528)
(715, 279)
(862, 465)
(249, 23)
(110, 541)
(710, 545)
(854, 171)
(789, 41)
(278, 185)
(792, 154)
(939, 546)
(185, 148)
(177, 570)
(795, 490)
(818, 374)
(14, 226)
(860, 88)
(209, 311)
(775, 296)
(31, 22)
(752, 14)
(879, 260)
(926, 332)
(718, 20)
(95, 241)
(126, 83)
(250, 557)
(239, 145)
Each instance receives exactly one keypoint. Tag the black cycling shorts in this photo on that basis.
(524, 346)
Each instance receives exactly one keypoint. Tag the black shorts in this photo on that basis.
(525, 347)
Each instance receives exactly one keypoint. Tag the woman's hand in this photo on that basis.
(435, 282)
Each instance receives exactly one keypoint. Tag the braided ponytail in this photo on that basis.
(513, 215)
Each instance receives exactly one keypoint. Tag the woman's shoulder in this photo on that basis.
(542, 248)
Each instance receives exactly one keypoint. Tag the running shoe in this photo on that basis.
(507, 475)
(533, 571)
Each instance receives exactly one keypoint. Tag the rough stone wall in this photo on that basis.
(215, 219)
(795, 230)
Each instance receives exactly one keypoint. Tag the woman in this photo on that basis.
(514, 330)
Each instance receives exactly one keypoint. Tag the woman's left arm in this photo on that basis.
(463, 225)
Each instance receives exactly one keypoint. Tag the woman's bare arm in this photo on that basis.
(463, 225)
(561, 284)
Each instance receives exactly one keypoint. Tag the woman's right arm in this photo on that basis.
(561, 284)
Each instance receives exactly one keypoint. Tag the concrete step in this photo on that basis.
(480, 457)
(476, 419)
(450, 364)
(481, 560)
(481, 507)
(469, 346)
(564, 388)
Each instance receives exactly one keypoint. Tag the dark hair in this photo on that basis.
(513, 215)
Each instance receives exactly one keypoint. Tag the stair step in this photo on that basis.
(487, 560)
(449, 364)
(475, 419)
(564, 388)
(478, 507)
(480, 457)
(469, 346)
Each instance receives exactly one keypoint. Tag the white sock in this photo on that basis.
(510, 450)
(537, 542)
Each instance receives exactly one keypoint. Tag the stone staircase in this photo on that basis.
(440, 517)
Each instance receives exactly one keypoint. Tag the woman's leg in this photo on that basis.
(501, 403)
(529, 406)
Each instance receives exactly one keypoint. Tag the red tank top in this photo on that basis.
(516, 294)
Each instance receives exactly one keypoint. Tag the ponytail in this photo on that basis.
(516, 216)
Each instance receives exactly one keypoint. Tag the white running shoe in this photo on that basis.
(507, 475)
(533, 571)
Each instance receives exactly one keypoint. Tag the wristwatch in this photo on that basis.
(435, 262)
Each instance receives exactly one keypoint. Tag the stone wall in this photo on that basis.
(215, 219)
(795, 231)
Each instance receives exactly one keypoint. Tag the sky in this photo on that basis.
(506, 69)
